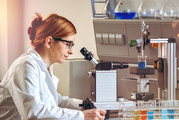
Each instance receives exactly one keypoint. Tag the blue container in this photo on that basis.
(141, 64)
(150, 115)
(125, 15)
(171, 113)
(164, 113)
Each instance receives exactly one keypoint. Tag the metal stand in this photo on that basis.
(167, 49)
(143, 83)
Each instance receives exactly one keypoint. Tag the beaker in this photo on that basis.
(125, 10)
(142, 62)
(169, 11)
(148, 9)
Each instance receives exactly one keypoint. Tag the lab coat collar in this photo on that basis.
(37, 57)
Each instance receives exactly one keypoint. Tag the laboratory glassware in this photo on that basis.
(151, 104)
(142, 61)
(171, 110)
(169, 11)
(108, 9)
(163, 109)
(125, 10)
(148, 9)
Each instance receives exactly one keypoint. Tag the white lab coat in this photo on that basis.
(27, 92)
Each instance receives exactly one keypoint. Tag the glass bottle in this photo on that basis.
(148, 9)
(169, 11)
(125, 10)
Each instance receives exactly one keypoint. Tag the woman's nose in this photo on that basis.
(70, 51)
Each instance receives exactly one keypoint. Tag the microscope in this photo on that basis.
(104, 84)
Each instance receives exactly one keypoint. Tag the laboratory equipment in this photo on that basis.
(142, 92)
(148, 9)
(102, 65)
(125, 10)
(167, 48)
(131, 30)
(111, 65)
(88, 56)
(108, 9)
(169, 11)
(87, 104)
(150, 110)
(104, 82)
(115, 41)
(142, 62)
(137, 43)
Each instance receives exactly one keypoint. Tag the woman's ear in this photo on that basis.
(48, 42)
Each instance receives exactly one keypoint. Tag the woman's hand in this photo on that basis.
(94, 114)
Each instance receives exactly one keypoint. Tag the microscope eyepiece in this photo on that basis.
(88, 55)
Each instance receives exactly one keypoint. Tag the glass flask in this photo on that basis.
(108, 9)
(169, 11)
(148, 9)
(125, 10)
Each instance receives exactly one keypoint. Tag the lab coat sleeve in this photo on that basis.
(66, 102)
(24, 89)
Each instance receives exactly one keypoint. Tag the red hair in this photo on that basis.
(54, 25)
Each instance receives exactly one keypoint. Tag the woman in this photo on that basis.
(28, 89)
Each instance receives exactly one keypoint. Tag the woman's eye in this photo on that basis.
(67, 44)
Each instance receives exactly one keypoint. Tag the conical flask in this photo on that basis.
(169, 11)
(148, 9)
(125, 10)
(109, 8)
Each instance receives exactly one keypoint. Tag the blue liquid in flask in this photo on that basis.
(171, 113)
(125, 15)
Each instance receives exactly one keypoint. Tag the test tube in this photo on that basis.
(171, 110)
(137, 112)
(150, 113)
(143, 111)
(128, 112)
(176, 108)
(164, 111)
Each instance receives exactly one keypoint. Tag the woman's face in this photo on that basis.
(61, 51)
